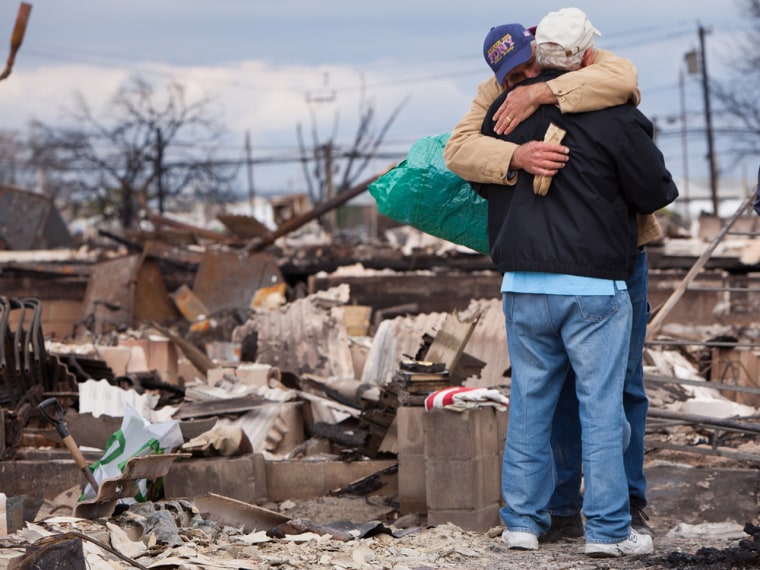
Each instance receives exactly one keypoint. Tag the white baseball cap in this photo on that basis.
(567, 27)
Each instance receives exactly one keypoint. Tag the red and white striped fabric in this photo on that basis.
(460, 398)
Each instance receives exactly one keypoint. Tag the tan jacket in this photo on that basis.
(609, 81)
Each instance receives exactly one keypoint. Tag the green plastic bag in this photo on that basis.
(421, 192)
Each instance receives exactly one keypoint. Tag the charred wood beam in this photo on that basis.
(159, 220)
(717, 452)
(128, 243)
(259, 243)
(365, 485)
(344, 434)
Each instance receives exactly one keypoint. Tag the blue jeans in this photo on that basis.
(566, 434)
(546, 336)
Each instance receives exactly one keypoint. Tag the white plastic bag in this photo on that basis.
(135, 438)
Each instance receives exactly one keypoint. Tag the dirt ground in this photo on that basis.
(711, 502)
(708, 499)
(448, 546)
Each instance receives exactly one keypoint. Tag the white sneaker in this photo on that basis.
(517, 540)
(635, 545)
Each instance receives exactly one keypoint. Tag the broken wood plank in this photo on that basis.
(231, 512)
(656, 323)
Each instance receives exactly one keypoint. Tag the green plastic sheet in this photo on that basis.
(421, 192)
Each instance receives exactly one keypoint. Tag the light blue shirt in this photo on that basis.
(558, 284)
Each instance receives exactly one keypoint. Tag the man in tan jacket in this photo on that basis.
(609, 80)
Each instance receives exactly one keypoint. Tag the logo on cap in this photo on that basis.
(500, 48)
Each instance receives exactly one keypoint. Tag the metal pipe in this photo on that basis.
(702, 384)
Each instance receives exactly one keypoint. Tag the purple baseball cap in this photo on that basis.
(506, 47)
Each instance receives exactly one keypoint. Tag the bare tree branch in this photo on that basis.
(147, 146)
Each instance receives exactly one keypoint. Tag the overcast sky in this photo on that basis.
(263, 59)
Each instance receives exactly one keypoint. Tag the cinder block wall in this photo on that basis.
(450, 465)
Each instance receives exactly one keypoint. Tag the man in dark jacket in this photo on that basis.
(565, 257)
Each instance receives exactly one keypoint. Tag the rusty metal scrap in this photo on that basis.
(23, 362)
(27, 372)
(30, 221)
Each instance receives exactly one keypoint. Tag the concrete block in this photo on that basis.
(295, 479)
(138, 359)
(254, 373)
(157, 353)
(23, 477)
(474, 520)
(214, 375)
(260, 476)
(12, 557)
(187, 373)
(16, 511)
(116, 357)
(412, 494)
(462, 484)
(502, 422)
(229, 476)
(300, 479)
(59, 317)
(411, 437)
(162, 357)
(461, 435)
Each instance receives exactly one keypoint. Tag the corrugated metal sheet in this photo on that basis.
(307, 336)
(395, 338)
(403, 336)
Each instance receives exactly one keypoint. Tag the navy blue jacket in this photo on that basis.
(586, 224)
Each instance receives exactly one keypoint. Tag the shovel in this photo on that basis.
(52, 411)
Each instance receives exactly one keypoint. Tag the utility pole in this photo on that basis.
(331, 217)
(249, 169)
(323, 153)
(684, 144)
(708, 123)
(159, 166)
